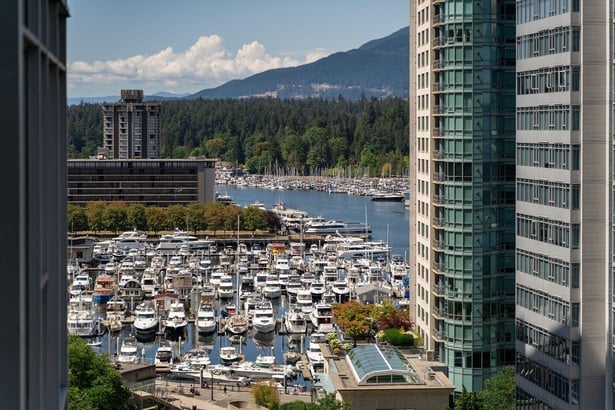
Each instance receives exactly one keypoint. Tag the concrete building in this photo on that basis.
(33, 168)
(131, 127)
(381, 377)
(160, 182)
(565, 209)
(462, 177)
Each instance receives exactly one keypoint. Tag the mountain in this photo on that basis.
(378, 68)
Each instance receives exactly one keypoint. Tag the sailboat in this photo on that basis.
(237, 323)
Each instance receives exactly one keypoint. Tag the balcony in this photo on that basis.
(438, 268)
(438, 87)
(438, 132)
(438, 245)
(439, 289)
(438, 200)
(439, 312)
(438, 335)
(438, 153)
(439, 109)
(438, 64)
(438, 222)
(439, 42)
(438, 19)
(439, 176)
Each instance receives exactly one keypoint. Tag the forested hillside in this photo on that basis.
(266, 135)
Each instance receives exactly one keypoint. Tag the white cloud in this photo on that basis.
(205, 64)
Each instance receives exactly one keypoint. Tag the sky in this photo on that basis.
(184, 46)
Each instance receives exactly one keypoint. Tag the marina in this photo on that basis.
(252, 305)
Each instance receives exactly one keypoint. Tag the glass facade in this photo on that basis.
(465, 89)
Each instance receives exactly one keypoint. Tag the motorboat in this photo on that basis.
(146, 319)
(128, 351)
(304, 301)
(104, 289)
(226, 288)
(264, 367)
(149, 284)
(337, 227)
(164, 355)
(219, 375)
(272, 288)
(171, 243)
(294, 321)
(314, 353)
(229, 310)
(206, 318)
(263, 319)
(317, 288)
(197, 357)
(293, 284)
(176, 320)
(237, 324)
(322, 313)
(228, 355)
(81, 318)
(341, 290)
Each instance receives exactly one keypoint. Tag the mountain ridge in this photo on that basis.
(378, 68)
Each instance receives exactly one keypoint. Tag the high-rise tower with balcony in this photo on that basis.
(462, 176)
(131, 127)
(565, 212)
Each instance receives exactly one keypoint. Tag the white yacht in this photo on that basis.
(313, 353)
(264, 319)
(206, 318)
(322, 313)
(272, 288)
(317, 288)
(341, 289)
(304, 301)
(176, 320)
(171, 243)
(128, 351)
(294, 321)
(226, 288)
(146, 319)
(81, 319)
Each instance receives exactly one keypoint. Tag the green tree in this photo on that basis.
(231, 212)
(195, 217)
(329, 402)
(354, 318)
(93, 382)
(468, 400)
(253, 218)
(499, 391)
(136, 216)
(115, 217)
(156, 218)
(266, 394)
(214, 216)
(76, 218)
(176, 216)
(94, 211)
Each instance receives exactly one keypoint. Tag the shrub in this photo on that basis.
(397, 338)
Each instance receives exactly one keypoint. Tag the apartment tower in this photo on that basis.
(131, 128)
(565, 215)
(462, 177)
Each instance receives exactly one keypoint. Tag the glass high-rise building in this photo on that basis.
(565, 215)
(462, 176)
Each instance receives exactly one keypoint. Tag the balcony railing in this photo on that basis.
(439, 176)
(438, 222)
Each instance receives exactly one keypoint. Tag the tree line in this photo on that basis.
(269, 135)
(119, 216)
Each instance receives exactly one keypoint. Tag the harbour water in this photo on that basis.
(388, 220)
